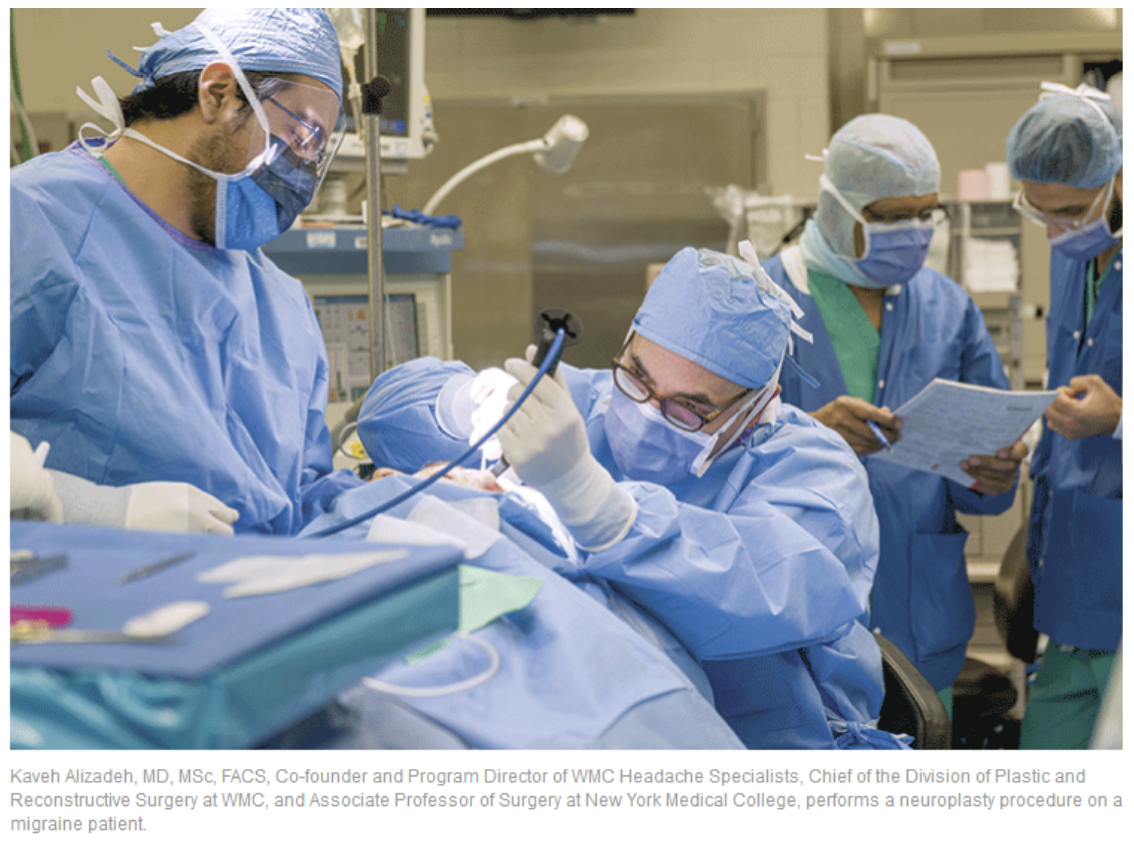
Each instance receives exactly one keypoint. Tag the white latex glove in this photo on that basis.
(546, 444)
(33, 493)
(157, 505)
(546, 437)
(177, 508)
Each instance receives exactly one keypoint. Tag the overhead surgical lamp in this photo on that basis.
(554, 152)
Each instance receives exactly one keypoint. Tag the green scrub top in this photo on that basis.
(1094, 282)
(110, 168)
(856, 341)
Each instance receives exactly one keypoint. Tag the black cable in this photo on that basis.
(549, 362)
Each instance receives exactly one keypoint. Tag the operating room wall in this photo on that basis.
(654, 51)
(652, 57)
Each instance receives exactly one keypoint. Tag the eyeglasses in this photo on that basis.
(1025, 208)
(936, 216)
(306, 140)
(676, 412)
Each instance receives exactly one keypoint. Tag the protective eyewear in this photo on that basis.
(1025, 209)
(676, 412)
(301, 123)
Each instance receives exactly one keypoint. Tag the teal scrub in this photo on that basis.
(1063, 702)
(1094, 282)
(856, 341)
(946, 696)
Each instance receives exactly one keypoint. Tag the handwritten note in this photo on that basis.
(948, 422)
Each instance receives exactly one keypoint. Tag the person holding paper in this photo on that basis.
(1067, 152)
(885, 326)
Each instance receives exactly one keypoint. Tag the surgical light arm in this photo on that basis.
(554, 152)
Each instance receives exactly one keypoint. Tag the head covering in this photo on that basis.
(874, 156)
(263, 40)
(720, 312)
(1070, 137)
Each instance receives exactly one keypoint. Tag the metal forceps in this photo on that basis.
(26, 566)
(38, 632)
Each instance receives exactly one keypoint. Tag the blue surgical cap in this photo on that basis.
(874, 156)
(720, 312)
(264, 40)
(1068, 138)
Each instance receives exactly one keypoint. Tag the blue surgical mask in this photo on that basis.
(894, 252)
(648, 448)
(255, 207)
(1093, 239)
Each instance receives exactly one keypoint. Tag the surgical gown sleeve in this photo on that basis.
(782, 556)
(42, 288)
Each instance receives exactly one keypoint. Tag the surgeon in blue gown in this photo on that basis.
(179, 376)
(884, 326)
(1067, 153)
(739, 523)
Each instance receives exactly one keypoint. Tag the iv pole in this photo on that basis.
(373, 91)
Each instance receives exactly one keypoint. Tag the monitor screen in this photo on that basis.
(406, 122)
(392, 39)
(345, 323)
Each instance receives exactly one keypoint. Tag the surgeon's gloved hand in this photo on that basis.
(177, 508)
(546, 444)
(157, 505)
(32, 489)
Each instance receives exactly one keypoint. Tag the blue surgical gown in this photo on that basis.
(1075, 534)
(922, 599)
(143, 355)
(761, 568)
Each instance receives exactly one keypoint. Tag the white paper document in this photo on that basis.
(948, 422)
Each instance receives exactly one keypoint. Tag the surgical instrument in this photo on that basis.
(37, 633)
(548, 324)
(25, 568)
(154, 568)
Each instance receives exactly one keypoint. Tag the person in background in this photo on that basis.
(884, 327)
(740, 523)
(1067, 152)
(177, 374)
